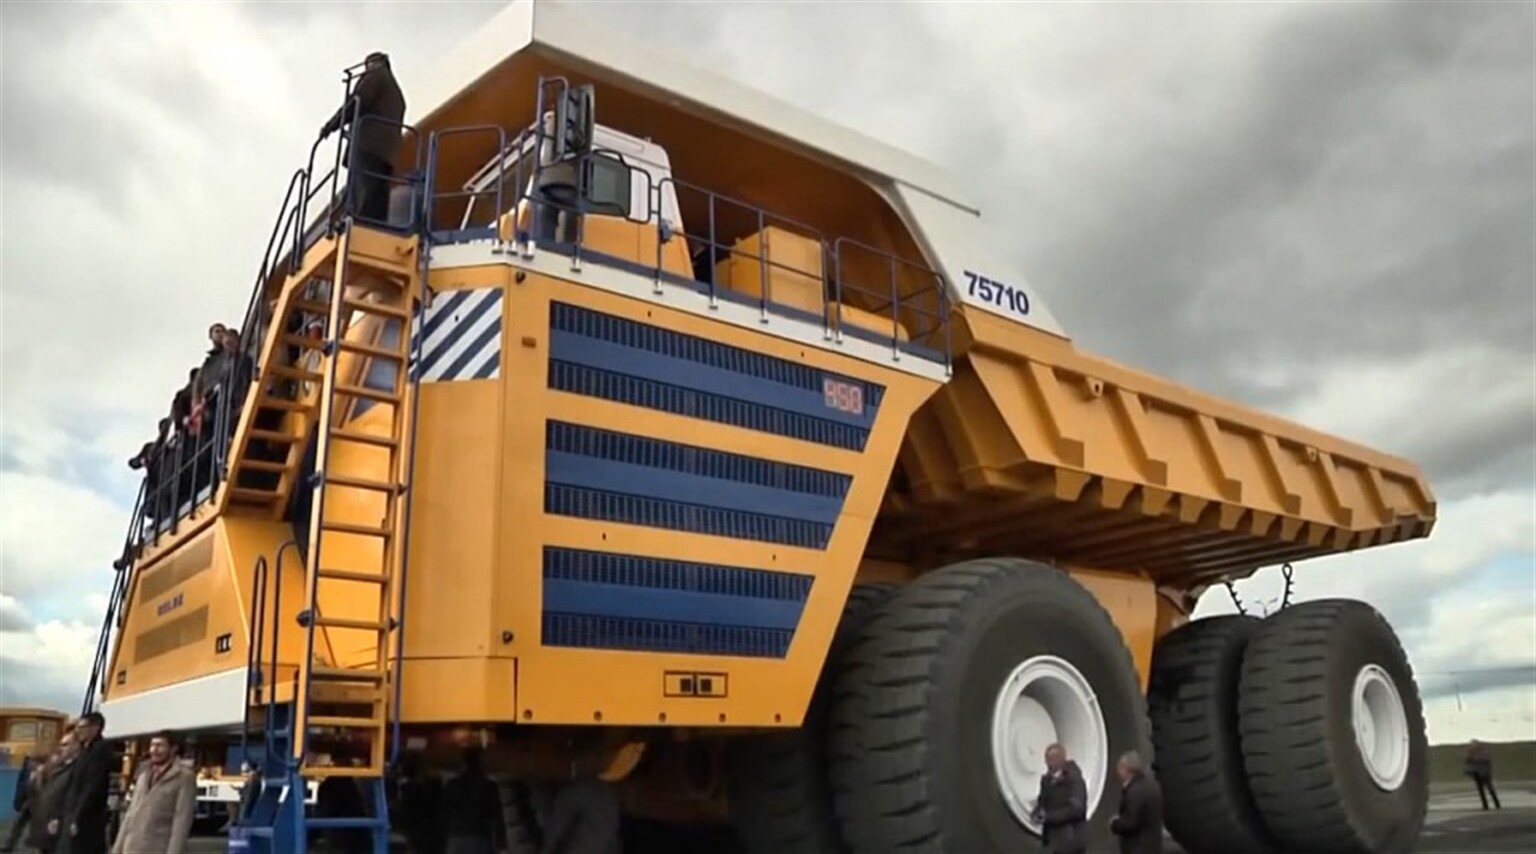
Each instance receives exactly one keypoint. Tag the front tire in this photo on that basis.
(1333, 731)
(781, 801)
(949, 696)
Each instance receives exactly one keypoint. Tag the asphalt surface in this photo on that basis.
(1456, 825)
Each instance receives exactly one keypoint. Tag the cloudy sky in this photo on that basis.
(1325, 210)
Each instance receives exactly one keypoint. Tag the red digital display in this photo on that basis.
(844, 397)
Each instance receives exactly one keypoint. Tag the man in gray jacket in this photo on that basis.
(161, 805)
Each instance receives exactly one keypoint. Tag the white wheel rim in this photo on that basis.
(1046, 700)
(1381, 727)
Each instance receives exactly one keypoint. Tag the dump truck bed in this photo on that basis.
(1036, 447)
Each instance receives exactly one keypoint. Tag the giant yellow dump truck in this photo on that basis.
(682, 450)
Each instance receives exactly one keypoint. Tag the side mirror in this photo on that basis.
(575, 118)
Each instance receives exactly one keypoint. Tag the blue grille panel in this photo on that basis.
(635, 391)
(688, 459)
(618, 477)
(611, 568)
(603, 600)
(619, 359)
(587, 503)
(658, 636)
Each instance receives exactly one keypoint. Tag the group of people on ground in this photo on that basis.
(61, 799)
(1062, 808)
(226, 371)
(64, 795)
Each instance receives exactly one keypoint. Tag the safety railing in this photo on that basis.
(925, 309)
(909, 296)
(116, 601)
(469, 194)
(262, 672)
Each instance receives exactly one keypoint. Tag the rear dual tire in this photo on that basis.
(1301, 732)
(1333, 731)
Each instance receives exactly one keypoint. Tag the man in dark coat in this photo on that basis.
(375, 128)
(86, 802)
(49, 824)
(1479, 766)
(1062, 808)
(23, 801)
(1139, 823)
(472, 819)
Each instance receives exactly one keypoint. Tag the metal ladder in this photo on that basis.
(325, 680)
(342, 689)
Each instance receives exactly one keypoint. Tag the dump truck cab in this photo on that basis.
(669, 442)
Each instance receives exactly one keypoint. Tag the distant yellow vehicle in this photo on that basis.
(27, 731)
(669, 436)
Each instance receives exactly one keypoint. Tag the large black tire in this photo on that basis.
(1305, 767)
(781, 799)
(912, 760)
(1192, 699)
(522, 827)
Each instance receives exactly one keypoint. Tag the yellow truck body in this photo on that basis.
(628, 492)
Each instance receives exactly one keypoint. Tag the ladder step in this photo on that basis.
(365, 438)
(364, 391)
(265, 465)
(351, 575)
(320, 772)
(361, 483)
(376, 308)
(370, 350)
(345, 722)
(311, 306)
(344, 674)
(303, 342)
(240, 493)
(344, 623)
(292, 373)
(284, 404)
(349, 528)
(345, 822)
(272, 436)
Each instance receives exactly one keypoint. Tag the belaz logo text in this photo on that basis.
(998, 294)
(169, 605)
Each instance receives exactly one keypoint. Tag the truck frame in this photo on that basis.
(672, 444)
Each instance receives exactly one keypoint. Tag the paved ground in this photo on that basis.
(1456, 824)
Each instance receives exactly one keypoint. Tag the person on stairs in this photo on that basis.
(375, 136)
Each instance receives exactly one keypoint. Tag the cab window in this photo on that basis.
(608, 185)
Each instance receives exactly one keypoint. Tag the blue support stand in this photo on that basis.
(276, 822)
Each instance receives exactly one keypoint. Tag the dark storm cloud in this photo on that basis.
(28, 684)
(1364, 194)
(14, 617)
(1328, 125)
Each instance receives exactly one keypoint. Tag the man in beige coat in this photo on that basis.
(161, 806)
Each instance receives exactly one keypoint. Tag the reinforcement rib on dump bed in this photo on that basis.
(1038, 448)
